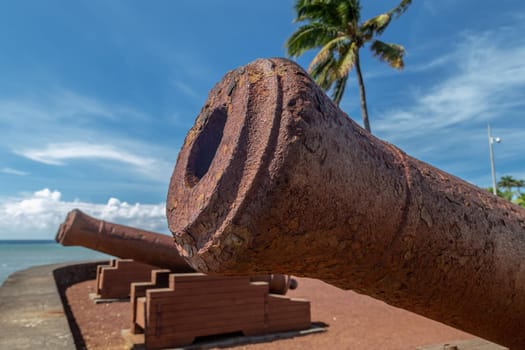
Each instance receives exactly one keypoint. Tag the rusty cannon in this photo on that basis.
(80, 229)
(274, 178)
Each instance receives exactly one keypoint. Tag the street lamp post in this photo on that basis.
(492, 166)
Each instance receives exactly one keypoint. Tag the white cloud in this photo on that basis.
(436, 7)
(488, 79)
(59, 125)
(142, 164)
(12, 171)
(39, 214)
(434, 63)
(61, 106)
(61, 116)
(440, 116)
(187, 89)
(56, 153)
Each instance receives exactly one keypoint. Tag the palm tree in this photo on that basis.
(508, 182)
(519, 184)
(521, 200)
(334, 27)
(502, 194)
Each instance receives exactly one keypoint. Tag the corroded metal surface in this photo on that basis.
(274, 178)
(125, 242)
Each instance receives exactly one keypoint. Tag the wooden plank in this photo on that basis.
(197, 276)
(212, 285)
(200, 305)
(288, 309)
(303, 314)
(202, 278)
(198, 320)
(287, 303)
(131, 262)
(158, 280)
(190, 304)
(286, 325)
(202, 284)
(159, 293)
(129, 273)
(208, 329)
(216, 291)
(115, 275)
(138, 289)
(184, 311)
(160, 277)
(113, 281)
(170, 297)
(234, 341)
(140, 312)
(277, 298)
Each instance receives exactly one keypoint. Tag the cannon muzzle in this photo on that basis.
(275, 178)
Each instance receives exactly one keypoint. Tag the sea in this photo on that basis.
(21, 254)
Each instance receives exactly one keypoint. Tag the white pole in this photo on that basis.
(492, 166)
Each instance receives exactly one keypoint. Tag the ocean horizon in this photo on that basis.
(20, 254)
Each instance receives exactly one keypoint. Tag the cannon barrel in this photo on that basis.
(80, 229)
(274, 177)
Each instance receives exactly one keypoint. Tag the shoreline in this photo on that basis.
(19, 255)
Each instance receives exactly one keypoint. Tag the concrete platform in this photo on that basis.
(32, 315)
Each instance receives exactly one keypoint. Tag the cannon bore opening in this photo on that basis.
(205, 146)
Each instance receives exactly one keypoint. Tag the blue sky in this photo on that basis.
(96, 97)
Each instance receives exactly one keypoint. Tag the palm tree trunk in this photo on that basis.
(364, 110)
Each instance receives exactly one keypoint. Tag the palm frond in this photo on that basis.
(375, 26)
(349, 11)
(346, 60)
(309, 36)
(339, 89)
(333, 12)
(324, 72)
(400, 9)
(327, 50)
(389, 53)
(331, 71)
(306, 9)
(326, 11)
